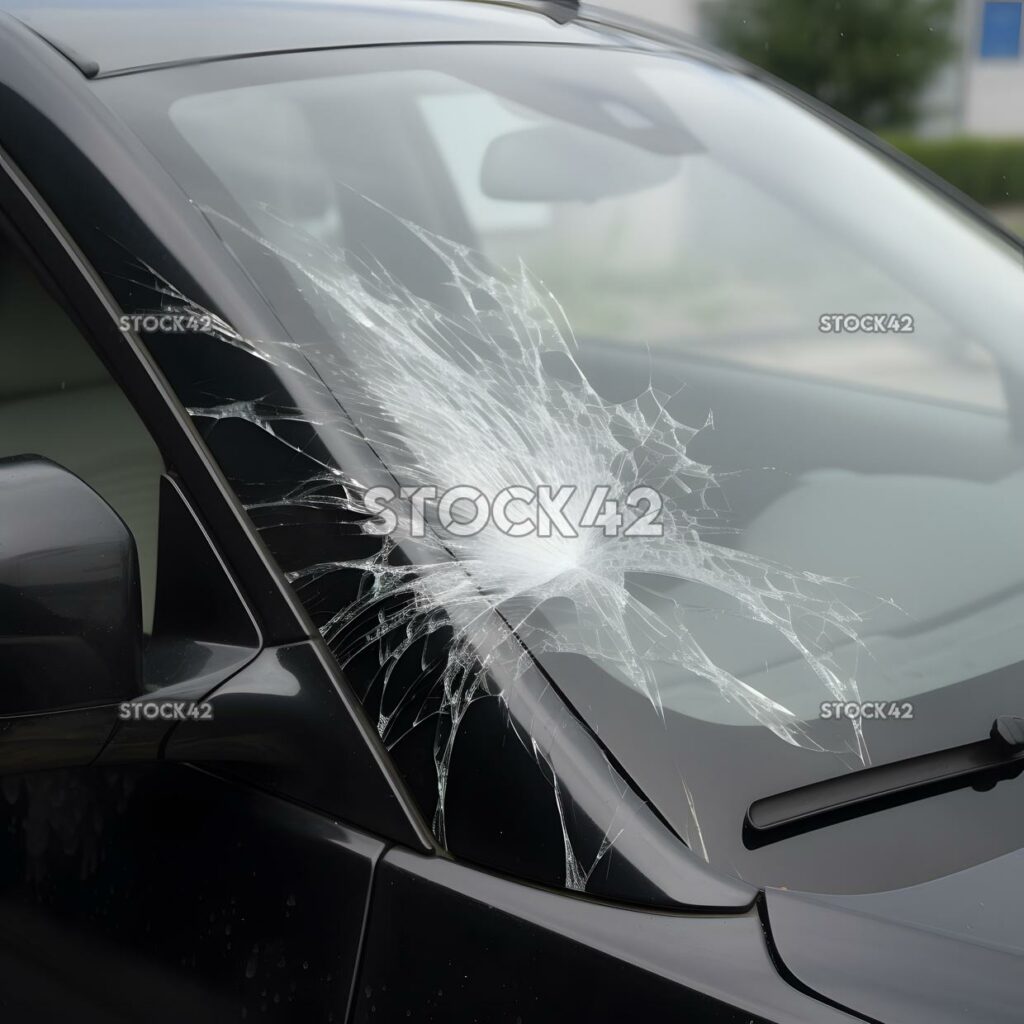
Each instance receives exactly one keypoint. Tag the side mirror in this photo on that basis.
(70, 600)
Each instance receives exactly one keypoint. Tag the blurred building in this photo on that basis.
(991, 85)
(980, 93)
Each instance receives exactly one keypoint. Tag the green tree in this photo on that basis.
(870, 59)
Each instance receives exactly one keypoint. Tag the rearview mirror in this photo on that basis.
(554, 163)
(70, 604)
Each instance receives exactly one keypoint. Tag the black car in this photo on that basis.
(505, 516)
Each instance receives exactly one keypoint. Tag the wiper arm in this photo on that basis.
(981, 764)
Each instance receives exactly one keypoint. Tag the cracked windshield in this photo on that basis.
(621, 369)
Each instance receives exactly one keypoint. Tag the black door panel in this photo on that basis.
(163, 893)
(453, 945)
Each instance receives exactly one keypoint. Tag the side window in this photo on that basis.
(58, 400)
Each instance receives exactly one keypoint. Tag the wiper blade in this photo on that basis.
(981, 764)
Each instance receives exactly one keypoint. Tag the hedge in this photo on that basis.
(991, 171)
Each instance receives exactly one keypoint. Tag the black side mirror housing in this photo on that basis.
(70, 598)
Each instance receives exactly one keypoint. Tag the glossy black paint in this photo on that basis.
(451, 945)
(58, 739)
(164, 895)
(944, 952)
(279, 725)
(215, 612)
(70, 605)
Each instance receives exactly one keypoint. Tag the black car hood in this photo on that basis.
(944, 952)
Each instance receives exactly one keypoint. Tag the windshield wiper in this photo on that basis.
(981, 764)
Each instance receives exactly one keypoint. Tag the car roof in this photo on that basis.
(105, 37)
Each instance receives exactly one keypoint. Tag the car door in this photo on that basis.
(143, 879)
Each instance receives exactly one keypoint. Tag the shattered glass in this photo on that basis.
(488, 391)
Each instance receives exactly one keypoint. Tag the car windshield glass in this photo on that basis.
(718, 407)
